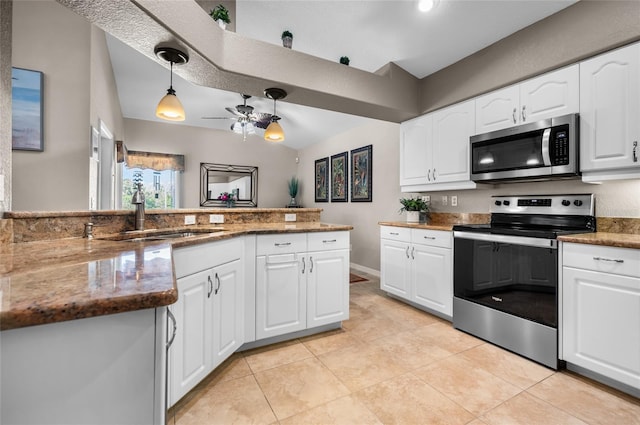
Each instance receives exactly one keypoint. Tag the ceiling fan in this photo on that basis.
(245, 119)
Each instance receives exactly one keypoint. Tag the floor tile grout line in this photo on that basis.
(553, 405)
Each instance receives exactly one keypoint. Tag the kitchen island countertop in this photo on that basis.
(619, 240)
(66, 279)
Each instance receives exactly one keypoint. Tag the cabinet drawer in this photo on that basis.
(439, 238)
(402, 234)
(606, 259)
(281, 243)
(323, 241)
(192, 259)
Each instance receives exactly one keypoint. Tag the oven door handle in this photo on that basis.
(515, 240)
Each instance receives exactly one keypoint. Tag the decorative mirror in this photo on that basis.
(240, 180)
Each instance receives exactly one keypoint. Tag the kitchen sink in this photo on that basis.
(138, 236)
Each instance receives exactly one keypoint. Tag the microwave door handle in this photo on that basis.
(545, 147)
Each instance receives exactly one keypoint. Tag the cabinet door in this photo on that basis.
(609, 110)
(394, 268)
(432, 278)
(550, 95)
(190, 356)
(327, 287)
(601, 323)
(497, 110)
(281, 294)
(415, 142)
(228, 310)
(452, 128)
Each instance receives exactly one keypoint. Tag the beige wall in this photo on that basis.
(363, 216)
(6, 12)
(276, 163)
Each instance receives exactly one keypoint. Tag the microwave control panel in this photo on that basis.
(559, 146)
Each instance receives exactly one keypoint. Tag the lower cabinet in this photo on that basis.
(209, 312)
(297, 287)
(416, 265)
(601, 311)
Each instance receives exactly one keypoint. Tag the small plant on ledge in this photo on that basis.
(287, 39)
(293, 190)
(221, 15)
(344, 60)
(414, 207)
(227, 198)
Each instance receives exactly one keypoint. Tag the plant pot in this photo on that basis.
(413, 216)
(287, 42)
(293, 202)
(222, 24)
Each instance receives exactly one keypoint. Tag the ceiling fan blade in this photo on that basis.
(234, 111)
(261, 119)
(217, 118)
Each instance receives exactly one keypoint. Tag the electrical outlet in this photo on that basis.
(289, 217)
(426, 198)
(216, 218)
(189, 219)
(444, 200)
(454, 201)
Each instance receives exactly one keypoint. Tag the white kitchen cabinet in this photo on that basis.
(416, 265)
(549, 95)
(601, 311)
(609, 111)
(434, 150)
(302, 281)
(209, 312)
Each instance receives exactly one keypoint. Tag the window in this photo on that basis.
(159, 187)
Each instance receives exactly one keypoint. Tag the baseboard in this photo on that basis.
(372, 272)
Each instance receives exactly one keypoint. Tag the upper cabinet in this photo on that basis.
(553, 94)
(609, 111)
(434, 150)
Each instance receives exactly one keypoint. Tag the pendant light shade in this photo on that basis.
(170, 108)
(274, 132)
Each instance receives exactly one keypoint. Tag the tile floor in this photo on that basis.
(393, 364)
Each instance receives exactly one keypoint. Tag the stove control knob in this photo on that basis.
(566, 202)
(498, 203)
(577, 203)
(506, 203)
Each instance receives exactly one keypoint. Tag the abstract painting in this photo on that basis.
(361, 171)
(322, 180)
(339, 179)
(26, 86)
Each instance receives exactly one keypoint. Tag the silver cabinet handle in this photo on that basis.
(175, 328)
(612, 260)
(394, 233)
(282, 244)
(524, 115)
(635, 154)
(304, 266)
(330, 241)
(429, 174)
(210, 283)
(514, 114)
(434, 174)
(218, 282)
(412, 250)
(311, 265)
(407, 251)
(430, 237)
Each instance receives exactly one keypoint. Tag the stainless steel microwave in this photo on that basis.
(541, 150)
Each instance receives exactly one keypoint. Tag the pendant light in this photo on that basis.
(274, 132)
(170, 108)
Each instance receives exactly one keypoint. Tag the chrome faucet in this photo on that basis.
(138, 201)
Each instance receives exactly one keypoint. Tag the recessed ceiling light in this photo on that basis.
(426, 5)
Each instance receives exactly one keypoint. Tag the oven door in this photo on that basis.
(512, 274)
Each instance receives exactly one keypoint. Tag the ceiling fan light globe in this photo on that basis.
(426, 5)
(170, 108)
(274, 133)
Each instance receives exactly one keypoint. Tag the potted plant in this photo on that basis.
(413, 207)
(293, 190)
(287, 39)
(228, 198)
(344, 60)
(220, 14)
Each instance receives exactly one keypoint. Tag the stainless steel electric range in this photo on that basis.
(506, 272)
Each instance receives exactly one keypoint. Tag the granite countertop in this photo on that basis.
(427, 226)
(619, 240)
(66, 279)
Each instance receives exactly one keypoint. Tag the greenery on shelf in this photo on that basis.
(293, 186)
(414, 204)
(344, 60)
(286, 33)
(220, 13)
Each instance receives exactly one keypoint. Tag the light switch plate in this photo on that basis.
(454, 201)
(426, 198)
(216, 218)
(289, 217)
(444, 200)
(189, 219)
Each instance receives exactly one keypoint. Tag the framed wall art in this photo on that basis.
(27, 110)
(361, 174)
(339, 177)
(322, 180)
